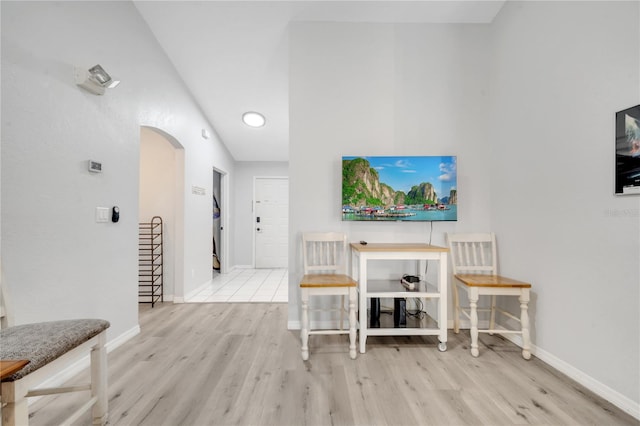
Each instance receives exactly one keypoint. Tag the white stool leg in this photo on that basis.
(352, 322)
(16, 410)
(341, 313)
(304, 329)
(492, 319)
(473, 304)
(524, 322)
(99, 381)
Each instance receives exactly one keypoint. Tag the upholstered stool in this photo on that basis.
(46, 345)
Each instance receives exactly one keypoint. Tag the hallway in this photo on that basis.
(246, 285)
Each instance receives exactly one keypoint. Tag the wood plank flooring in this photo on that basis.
(237, 364)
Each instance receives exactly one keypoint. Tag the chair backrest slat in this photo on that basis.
(324, 252)
(481, 248)
(473, 253)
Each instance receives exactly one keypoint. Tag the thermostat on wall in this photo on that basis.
(95, 167)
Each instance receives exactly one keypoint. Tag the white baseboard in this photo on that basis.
(193, 292)
(121, 339)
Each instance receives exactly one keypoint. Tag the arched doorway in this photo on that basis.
(161, 193)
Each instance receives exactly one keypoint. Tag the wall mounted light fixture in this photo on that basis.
(95, 79)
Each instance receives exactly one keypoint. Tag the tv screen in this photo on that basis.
(403, 188)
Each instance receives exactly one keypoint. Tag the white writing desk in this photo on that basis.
(421, 253)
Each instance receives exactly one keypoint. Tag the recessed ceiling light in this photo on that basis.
(253, 119)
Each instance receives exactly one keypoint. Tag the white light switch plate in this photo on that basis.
(102, 214)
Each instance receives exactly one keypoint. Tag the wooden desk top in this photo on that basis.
(397, 247)
(327, 280)
(8, 367)
(484, 280)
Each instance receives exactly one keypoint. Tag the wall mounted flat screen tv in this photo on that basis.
(402, 188)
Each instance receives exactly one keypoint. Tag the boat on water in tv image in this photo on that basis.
(400, 188)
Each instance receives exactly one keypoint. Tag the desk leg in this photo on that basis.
(443, 303)
(362, 285)
(473, 304)
(524, 322)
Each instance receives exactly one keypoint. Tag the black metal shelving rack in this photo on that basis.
(150, 262)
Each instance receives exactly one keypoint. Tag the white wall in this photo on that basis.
(560, 72)
(57, 261)
(382, 89)
(246, 171)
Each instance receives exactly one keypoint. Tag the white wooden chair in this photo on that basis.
(475, 269)
(47, 348)
(325, 266)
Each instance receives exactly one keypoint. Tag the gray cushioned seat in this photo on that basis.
(41, 343)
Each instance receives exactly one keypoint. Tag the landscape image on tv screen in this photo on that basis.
(402, 188)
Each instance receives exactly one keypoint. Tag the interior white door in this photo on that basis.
(271, 222)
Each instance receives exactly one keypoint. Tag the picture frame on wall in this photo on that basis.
(628, 151)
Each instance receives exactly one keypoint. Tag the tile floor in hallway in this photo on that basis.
(245, 285)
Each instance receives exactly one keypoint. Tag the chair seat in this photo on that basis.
(327, 280)
(484, 280)
(41, 343)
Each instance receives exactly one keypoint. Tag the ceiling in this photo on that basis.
(233, 55)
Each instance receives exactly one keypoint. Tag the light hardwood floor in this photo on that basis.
(237, 364)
